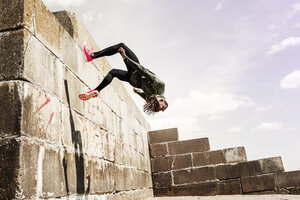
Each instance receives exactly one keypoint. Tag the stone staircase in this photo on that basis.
(190, 168)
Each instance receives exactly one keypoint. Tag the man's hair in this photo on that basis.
(151, 107)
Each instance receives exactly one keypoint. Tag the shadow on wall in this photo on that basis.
(79, 160)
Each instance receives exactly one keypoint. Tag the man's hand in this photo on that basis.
(122, 52)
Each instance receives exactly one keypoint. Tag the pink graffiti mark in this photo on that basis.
(51, 117)
(26, 143)
(40, 93)
(84, 128)
(44, 104)
(93, 109)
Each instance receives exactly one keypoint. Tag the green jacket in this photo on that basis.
(144, 79)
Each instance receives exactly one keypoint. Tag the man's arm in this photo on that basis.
(139, 92)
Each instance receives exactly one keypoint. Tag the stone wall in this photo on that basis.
(53, 145)
(190, 168)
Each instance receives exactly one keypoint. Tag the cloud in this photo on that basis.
(219, 5)
(295, 9)
(235, 129)
(65, 3)
(297, 25)
(190, 113)
(88, 16)
(289, 42)
(203, 103)
(292, 80)
(269, 126)
(263, 108)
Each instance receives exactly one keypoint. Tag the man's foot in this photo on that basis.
(88, 95)
(87, 52)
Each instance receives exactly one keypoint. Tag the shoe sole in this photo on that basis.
(85, 97)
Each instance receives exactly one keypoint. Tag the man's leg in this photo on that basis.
(113, 50)
(120, 74)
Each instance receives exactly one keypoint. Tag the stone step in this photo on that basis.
(179, 147)
(218, 172)
(165, 135)
(161, 164)
(249, 168)
(282, 182)
(212, 188)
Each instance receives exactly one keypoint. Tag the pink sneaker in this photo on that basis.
(87, 52)
(88, 95)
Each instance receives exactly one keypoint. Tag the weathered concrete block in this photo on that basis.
(41, 115)
(250, 168)
(16, 14)
(171, 163)
(269, 165)
(188, 146)
(124, 178)
(42, 67)
(10, 100)
(166, 135)
(194, 175)
(95, 176)
(258, 183)
(229, 187)
(162, 179)
(237, 154)
(52, 172)
(69, 21)
(9, 165)
(208, 158)
(69, 163)
(47, 27)
(109, 180)
(159, 150)
(287, 179)
(11, 64)
(199, 189)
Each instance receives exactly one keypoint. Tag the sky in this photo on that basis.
(231, 67)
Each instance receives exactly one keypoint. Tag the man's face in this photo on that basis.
(162, 104)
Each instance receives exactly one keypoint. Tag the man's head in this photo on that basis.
(155, 104)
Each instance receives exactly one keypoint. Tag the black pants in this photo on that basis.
(122, 75)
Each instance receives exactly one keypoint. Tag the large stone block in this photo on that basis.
(171, 163)
(95, 176)
(188, 146)
(41, 115)
(250, 168)
(287, 179)
(11, 64)
(159, 150)
(208, 158)
(16, 14)
(43, 68)
(51, 169)
(194, 175)
(124, 178)
(258, 183)
(109, 173)
(69, 162)
(47, 27)
(199, 189)
(162, 179)
(229, 187)
(237, 154)
(10, 100)
(166, 135)
(9, 165)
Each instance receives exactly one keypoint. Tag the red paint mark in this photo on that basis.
(41, 145)
(93, 108)
(83, 123)
(51, 117)
(40, 93)
(45, 103)
(26, 143)
(101, 125)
